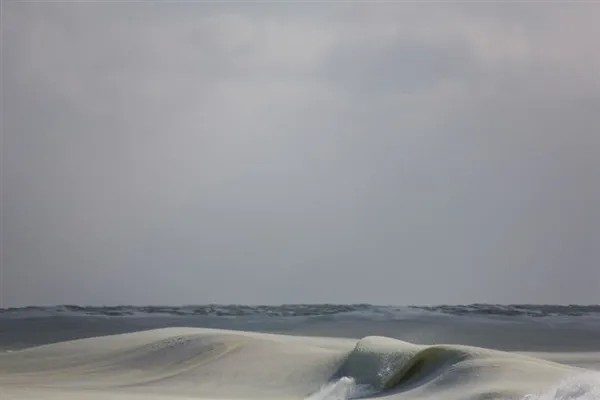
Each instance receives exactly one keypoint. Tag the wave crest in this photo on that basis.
(383, 363)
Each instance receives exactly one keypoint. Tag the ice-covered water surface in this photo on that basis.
(301, 352)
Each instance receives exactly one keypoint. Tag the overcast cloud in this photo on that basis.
(304, 152)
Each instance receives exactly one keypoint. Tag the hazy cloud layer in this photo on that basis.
(261, 153)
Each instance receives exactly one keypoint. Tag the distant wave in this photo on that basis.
(529, 310)
(306, 310)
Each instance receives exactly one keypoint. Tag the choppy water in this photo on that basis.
(300, 310)
(504, 327)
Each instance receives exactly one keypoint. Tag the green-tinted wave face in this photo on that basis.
(386, 364)
(392, 366)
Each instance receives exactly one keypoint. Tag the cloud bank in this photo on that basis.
(281, 153)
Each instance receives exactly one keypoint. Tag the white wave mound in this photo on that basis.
(186, 363)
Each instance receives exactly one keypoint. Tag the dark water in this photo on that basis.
(300, 310)
(504, 327)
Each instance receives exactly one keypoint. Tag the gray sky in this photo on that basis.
(307, 152)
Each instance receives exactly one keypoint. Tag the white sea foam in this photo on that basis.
(344, 388)
(585, 386)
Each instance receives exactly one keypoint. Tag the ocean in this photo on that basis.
(315, 352)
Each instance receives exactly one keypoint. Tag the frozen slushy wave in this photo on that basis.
(214, 364)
